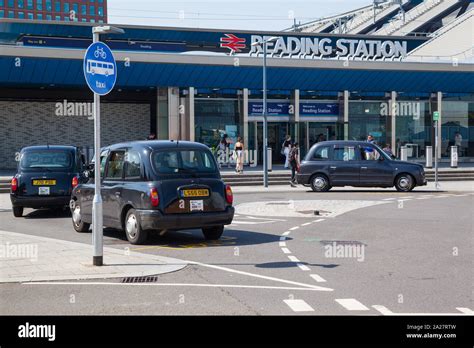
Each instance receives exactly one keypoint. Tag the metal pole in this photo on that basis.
(436, 154)
(97, 233)
(265, 135)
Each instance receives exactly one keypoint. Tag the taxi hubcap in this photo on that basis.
(76, 215)
(132, 226)
(319, 182)
(404, 182)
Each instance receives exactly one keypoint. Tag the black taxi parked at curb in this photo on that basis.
(356, 163)
(157, 186)
(45, 177)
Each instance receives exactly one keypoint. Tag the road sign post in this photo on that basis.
(100, 72)
(436, 120)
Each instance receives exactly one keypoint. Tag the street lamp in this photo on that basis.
(264, 111)
(97, 232)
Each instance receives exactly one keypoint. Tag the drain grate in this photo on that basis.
(148, 279)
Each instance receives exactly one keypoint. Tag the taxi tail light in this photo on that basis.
(75, 181)
(155, 199)
(14, 184)
(229, 196)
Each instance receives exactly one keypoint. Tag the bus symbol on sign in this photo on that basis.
(100, 69)
(96, 67)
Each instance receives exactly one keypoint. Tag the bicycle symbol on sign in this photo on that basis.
(99, 52)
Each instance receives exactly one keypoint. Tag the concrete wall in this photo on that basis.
(36, 123)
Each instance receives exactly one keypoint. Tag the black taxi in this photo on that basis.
(45, 177)
(156, 186)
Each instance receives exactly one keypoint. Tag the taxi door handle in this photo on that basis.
(332, 167)
(117, 193)
(363, 167)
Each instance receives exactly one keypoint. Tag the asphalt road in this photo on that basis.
(372, 252)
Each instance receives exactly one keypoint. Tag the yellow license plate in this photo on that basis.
(196, 193)
(44, 182)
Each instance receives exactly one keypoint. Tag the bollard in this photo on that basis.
(269, 159)
(403, 153)
(429, 156)
(454, 156)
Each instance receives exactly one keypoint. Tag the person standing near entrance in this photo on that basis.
(294, 162)
(286, 147)
(239, 152)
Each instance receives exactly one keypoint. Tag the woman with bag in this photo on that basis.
(239, 152)
(294, 162)
(286, 146)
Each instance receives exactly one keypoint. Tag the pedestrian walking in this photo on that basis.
(152, 136)
(239, 153)
(294, 162)
(285, 150)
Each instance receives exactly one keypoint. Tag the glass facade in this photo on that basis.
(216, 117)
(457, 124)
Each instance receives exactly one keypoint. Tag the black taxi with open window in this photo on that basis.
(157, 186)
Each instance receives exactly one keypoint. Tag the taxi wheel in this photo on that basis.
(17, 211)
(133, 229)
(404, 183)
(320, 183)
(213, 233)
(77, 222)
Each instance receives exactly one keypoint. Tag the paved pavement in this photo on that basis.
(400, 254)
(26, 258)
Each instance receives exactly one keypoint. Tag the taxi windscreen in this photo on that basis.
(46, 159)
(183, 161)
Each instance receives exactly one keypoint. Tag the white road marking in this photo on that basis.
(382, 309)
(256, 218)
(385, 311)
(294, 228)
(286, 250)
(320, 288)
(388, 199)
(293, 258)
(351, 304)
(407, 197)
(282, 244)
(240, 222)
(423, 198)
(464, 195)
(306, 224)
(319, 220)
(282, 238)
(299, 306)
(465, 310)
(286, 233)
(176, 284)
(318, 278)
(303, 267)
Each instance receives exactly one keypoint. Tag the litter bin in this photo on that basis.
(269, 159)
(429, 156)
(454, 156)
(404, 153)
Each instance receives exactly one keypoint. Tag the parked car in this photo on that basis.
(157, 186)
(45, 177)
(356, 163)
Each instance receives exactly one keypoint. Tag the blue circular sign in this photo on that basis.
(100, 69)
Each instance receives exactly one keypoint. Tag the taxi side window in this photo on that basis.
(132, 165)
(321, 153)
(115, 165)
(344, 153)
(103, 159)
(369, 153)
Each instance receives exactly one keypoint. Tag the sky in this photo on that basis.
(226, 14)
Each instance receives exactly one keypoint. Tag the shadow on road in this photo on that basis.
(48, 214)
(293, 264)
(195, 239)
